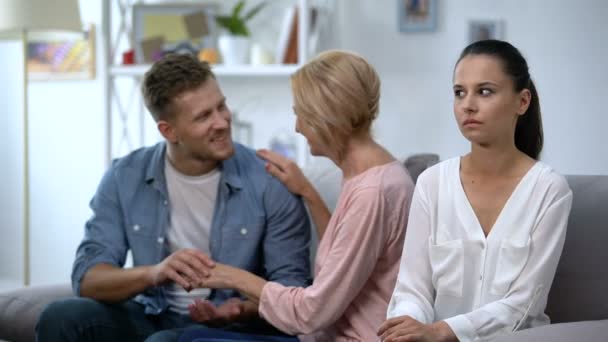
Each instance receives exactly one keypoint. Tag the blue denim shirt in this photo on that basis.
(258, 225)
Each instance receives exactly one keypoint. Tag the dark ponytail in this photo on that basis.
(529, 129)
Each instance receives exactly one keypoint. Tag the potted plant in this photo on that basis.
(235, 45)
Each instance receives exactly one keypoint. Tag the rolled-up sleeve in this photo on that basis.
(287, 238)
(104, 239)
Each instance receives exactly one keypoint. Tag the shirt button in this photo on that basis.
(136, 227)
(243, 231)
(161, 240)
(165, 202)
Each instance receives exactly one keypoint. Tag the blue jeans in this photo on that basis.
(214, 335)
(84, 319)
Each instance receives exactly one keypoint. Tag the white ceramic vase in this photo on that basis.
(260, 55)
(234, 49)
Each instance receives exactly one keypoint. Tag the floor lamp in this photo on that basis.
(23, 16)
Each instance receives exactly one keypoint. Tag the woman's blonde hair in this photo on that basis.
(337, 94)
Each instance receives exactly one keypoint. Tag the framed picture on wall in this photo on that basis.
(55, 56)
(485, 29)
(172, 27)
(417, 15)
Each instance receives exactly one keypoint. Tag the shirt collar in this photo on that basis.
(229, 167)
(155, 174)
(230, 172)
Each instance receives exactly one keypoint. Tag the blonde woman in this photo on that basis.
(336, 98)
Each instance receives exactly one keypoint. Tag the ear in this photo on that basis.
(525, 97)
(167, 131)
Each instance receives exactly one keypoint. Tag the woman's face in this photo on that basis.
(486, 105)
(302, 127)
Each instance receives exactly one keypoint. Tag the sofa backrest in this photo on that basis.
(580, 289)
(417, 163)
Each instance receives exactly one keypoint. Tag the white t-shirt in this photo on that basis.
(192, 201)
(481, 286)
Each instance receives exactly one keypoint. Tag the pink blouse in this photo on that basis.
(356, 265)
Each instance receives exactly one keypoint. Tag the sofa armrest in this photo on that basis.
(585, 331)
(20, 309)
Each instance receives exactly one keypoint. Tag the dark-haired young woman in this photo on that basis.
(485, 230)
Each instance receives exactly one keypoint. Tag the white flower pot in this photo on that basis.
(234, 49)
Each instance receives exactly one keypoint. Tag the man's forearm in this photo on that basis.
(113, 284)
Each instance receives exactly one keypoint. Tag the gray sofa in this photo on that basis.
(579, 292)
(580, 289)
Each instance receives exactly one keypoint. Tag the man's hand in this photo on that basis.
(205, 312)
(186, 267)
(405, 328)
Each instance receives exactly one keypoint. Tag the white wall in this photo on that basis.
(564, 42)
(11, 164)
(66, 160)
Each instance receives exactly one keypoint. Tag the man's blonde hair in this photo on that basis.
(337, 94)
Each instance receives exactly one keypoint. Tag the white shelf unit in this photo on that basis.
(118, 103)
(219, 70)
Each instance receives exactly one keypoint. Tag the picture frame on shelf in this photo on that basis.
(485, 29)
(159, 28)
(61, 56)
(417, 15)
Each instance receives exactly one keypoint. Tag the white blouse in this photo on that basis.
(481, 286)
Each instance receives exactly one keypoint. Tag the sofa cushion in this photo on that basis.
(579, 289)
(20, 309)
(417, 163)
(590, 331)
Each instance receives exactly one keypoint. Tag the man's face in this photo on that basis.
(201, 124)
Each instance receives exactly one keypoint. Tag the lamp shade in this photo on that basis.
(40, 15)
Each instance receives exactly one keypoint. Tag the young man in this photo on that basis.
(179, 206)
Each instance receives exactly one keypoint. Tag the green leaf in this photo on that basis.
(222, 19)
(238, 8)
(240, 29)
(254, 11)
(225, 22)
(236, 24)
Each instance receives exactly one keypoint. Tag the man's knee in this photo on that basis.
(171, 335)
(62, 319)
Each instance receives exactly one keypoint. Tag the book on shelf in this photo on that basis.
(314, 30)
(287, 45)
(291, 53)
(284, 35)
